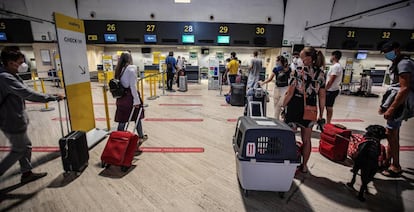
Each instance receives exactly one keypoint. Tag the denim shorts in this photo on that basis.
(392, 124)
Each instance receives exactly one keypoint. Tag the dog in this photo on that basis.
(367, 158)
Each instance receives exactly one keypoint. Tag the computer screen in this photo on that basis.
(110, 38)
(361, 56)
(3, 36)
(188, 38)
(223, 39)
(150, 38)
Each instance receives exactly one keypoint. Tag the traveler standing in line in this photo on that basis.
(13, 117)
(309, 79)
(333, 82)
(254, 71)
(232, 69)
(126, 72)
(402, 73)
(171, 65)
(180, 69)
(295, 61)
(282, 72)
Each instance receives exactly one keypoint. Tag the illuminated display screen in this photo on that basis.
(188, 38)
(150, 38)
(361, 56)
(223, 39)
(110, 38)
(3, 36)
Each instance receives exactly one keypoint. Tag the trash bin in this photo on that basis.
(266, 154)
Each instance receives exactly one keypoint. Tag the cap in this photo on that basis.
(390, 45)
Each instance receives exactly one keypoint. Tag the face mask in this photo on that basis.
(390, 55)
(299, 63)
(295, 60)
(22, 68)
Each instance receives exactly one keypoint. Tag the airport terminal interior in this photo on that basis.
(189, 161)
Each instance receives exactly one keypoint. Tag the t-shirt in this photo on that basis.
(129, 81)
(314, 80)
(171, 60)
(336, 70)
(406, 66)
(256, 67)
(233, 67)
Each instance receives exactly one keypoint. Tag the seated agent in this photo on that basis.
(13, 117)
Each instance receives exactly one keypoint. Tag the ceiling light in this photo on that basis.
(182, 1)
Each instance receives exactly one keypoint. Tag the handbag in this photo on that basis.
(310, 113)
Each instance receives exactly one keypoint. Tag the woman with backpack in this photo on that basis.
(126, 72)
(282, 74)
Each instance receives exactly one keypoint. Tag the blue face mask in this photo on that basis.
(390, 55)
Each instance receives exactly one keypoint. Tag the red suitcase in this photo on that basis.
(120, 148)
(334, 142)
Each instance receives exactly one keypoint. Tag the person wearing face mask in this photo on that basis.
(295, 60)
(333, 82)
(13, 117)
(306, 84)
(402, 73)
(282, 73)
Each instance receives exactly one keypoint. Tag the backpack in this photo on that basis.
(116, 88)
(169, 67)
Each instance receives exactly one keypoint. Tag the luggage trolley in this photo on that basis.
(266, 154)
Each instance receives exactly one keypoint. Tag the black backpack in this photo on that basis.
(169, 67)
(116, 88)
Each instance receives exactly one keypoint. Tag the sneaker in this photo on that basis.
(30, 176)
(143, 138)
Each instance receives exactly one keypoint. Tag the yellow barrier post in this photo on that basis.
(105, 90)
(153, 85)
(46, 108)
(34, 81)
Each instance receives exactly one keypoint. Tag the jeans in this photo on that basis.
(21, 151)
(121, 127)
(170, 78)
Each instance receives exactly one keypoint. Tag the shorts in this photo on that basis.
(232, 78)
(330, 98)
(392, 124)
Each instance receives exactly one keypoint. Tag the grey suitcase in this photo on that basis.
(183, 84)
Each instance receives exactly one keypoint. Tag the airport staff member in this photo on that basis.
(13, 117)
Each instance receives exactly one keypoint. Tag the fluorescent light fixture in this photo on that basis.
(182, 1)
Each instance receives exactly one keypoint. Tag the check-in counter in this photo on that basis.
(193, 73)
(153, 69)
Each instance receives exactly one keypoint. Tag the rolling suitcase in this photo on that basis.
(73, 148)
(334, 142)
(182, 83)
(121, 146)
(238, 94)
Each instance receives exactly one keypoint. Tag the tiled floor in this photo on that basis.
(204, 181)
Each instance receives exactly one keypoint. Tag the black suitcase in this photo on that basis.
(238, 94)
(73, 148)
(74, 151)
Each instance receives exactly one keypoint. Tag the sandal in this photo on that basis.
(391, 173)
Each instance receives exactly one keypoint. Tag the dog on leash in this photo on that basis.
(367, 158)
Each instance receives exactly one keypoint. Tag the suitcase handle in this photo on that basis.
(60, 116)
(130, 118)
(251, 103)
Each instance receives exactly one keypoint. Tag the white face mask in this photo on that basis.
(299, 63)
(22, 68)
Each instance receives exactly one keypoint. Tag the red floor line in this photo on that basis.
(231, 120)
(101, 103)
(183, 95)
(180, 104)
(162, 149)
(172, 149)
(174, 119)
(347, 120)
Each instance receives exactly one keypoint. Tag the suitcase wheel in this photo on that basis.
(124, 168)
(246, 192)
